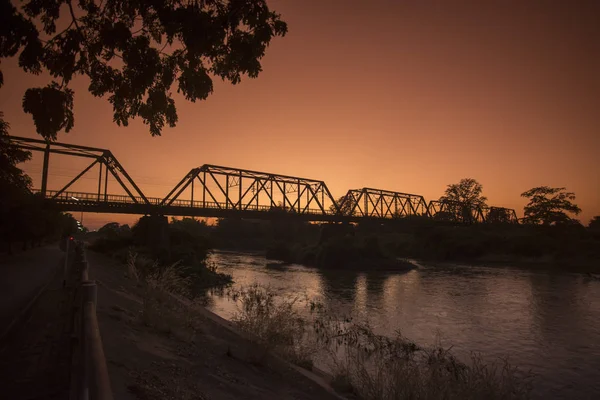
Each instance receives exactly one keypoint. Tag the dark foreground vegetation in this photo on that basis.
(156, 246)
(26, 219)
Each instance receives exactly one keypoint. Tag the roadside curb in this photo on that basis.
(20, 317)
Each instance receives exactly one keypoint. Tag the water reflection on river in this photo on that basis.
(546, 322)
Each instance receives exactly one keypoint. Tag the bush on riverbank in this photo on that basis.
(337, 252)
(186, 244)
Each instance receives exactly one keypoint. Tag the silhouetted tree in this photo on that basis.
(10, 156)
(133, 51)
(345, 203)
(65, 223)
(549, 206)
(462, 199)
(467, 191)
(594, 224)
(14, 188)
(445, 216)
(24, 217)
(194, 226)
(499, 215)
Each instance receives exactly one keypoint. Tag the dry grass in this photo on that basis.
(274, 322)
(370, 366)
(132, 269)
(375, 367)
(161, 287)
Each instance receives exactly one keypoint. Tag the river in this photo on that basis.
(547, 322)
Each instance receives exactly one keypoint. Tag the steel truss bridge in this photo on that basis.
(216, 191)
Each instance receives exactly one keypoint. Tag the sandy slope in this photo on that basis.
(208, 363)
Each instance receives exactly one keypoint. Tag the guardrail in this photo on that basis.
(90, 373)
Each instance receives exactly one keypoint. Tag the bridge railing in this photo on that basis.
(94, 198)
(243, 207)
(90, 372)
(78, 198)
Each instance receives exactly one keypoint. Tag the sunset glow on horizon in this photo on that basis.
(400, 95)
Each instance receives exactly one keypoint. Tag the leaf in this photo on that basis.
(51, 108)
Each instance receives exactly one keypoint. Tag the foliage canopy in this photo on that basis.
(467, 191)
(133, 51)
(11, 176)
(549, 206)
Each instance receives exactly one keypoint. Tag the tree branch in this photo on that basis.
(73, 16)
(49, 41)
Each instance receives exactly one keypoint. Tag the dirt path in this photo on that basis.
(173, 363)
(35, 354)
(22, 276)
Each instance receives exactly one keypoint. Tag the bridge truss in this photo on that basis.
(216, 191)
(236, 189)
(368, 202)
(106, 162)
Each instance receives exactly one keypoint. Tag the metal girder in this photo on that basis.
(101, 157)
(244, 190)
(377, 203)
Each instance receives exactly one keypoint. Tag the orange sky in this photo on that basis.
(400, 95)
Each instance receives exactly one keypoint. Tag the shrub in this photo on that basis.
(274, 323)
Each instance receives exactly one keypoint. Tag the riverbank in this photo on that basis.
(586, 268)
(159, 353)
(567, 248)
(495, 312)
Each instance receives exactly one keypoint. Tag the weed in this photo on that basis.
(367, 365)
(274, 322)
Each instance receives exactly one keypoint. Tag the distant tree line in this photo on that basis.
(464, 202)
(546, 206)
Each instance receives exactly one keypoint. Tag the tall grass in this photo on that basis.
(366, 365)
(375, 367)
(274, 322)
(162, 289)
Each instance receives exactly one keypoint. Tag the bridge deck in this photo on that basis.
(123, 204)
